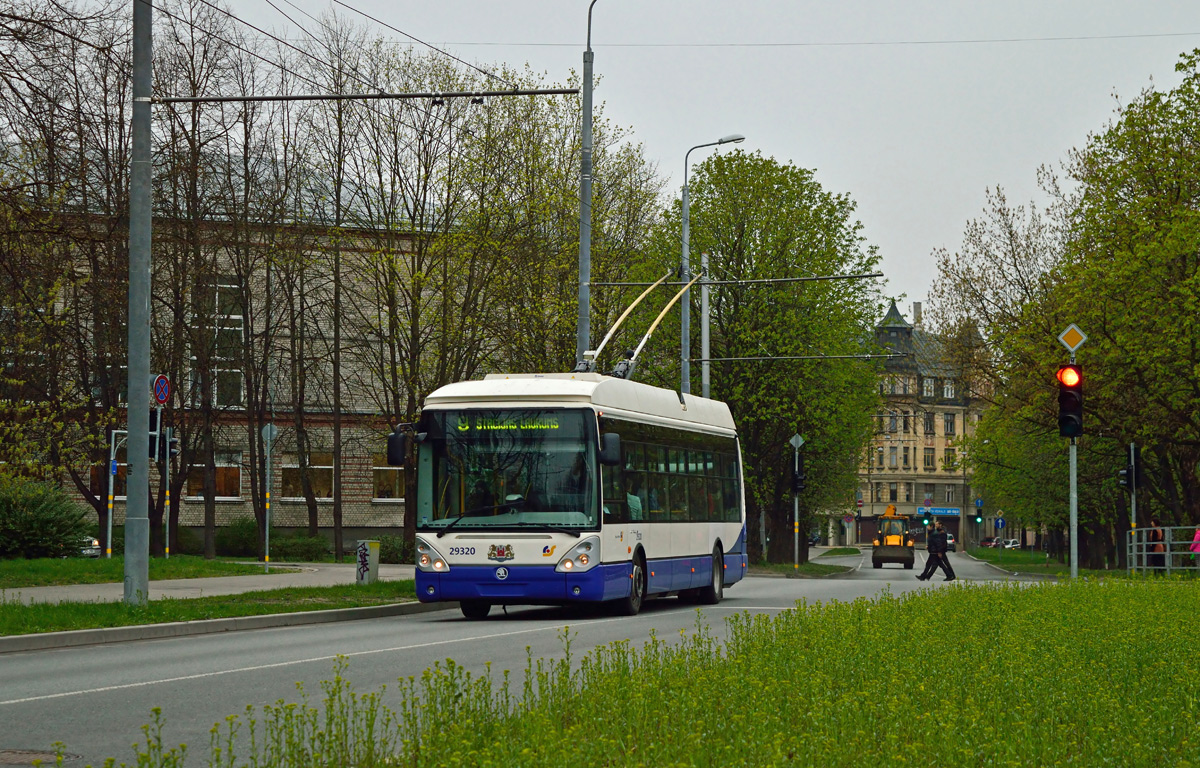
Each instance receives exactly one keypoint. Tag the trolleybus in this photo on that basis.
(553, 489)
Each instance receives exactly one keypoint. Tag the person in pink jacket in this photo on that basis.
(1196, 545)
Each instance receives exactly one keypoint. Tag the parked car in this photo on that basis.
(89, 547)
(950, 543)
(814, 539)
(987, 541)
(1012, 544)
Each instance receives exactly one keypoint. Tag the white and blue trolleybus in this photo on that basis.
(561, 488)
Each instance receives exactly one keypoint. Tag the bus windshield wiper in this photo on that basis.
(544, 527)
(475, 512)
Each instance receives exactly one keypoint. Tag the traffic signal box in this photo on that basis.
(799, 478)
(1070, 400)
(978, 517)
(926, 519)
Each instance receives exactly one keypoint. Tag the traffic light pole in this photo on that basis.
(1074, 513)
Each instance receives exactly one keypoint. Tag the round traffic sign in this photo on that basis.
(860, 503)
(162, 389)
(999, 522)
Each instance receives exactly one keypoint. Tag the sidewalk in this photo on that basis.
(280, 575)
(287, 575)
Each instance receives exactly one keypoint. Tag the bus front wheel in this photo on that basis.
(712, 594)
(475, 609)
(629, 606)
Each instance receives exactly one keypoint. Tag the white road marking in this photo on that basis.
(277, 665)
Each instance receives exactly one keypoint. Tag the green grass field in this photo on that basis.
(18, 619)
(806, 570)
(48, 572)
(1086, 672)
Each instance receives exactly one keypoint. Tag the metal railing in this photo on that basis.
(1176, 555)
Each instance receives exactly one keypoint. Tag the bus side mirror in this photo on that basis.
(397, 449)
(610, 449)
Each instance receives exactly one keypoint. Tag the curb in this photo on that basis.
(72, 638)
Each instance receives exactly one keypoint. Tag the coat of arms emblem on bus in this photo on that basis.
(501, 552)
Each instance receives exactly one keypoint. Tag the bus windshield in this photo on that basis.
(512, 468)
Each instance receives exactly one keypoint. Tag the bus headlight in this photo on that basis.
(429, 559)
(581, 557)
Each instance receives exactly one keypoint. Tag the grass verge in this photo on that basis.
(18, 619)
(1035, 563)
(809, 570)
(839, 551)
(1082, 673)
(51, 572)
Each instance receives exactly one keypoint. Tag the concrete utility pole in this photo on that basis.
(137, 494)
(584, 329)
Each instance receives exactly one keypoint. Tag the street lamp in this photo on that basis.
(584, 326)
(685, 342)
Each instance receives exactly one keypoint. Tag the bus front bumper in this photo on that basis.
(524, 584)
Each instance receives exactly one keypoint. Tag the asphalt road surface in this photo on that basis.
(95, 699)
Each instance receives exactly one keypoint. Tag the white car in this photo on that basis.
(1012, 544)
(951, 545)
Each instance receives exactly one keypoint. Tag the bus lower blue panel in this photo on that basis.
(735, 567)
(524, 584)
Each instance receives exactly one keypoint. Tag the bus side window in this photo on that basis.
(615, 508)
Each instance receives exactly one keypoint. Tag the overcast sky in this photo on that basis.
(914, 109)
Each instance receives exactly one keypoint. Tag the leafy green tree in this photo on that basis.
(758, 218)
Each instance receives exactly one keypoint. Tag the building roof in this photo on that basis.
(893, 318)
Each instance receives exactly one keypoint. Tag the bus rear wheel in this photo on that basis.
(629, 606)
(475, 609)
(712, 594)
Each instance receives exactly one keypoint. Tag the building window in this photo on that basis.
(320, 474)
(879, 452)
(892, 492)
(929, 488)
(904, 385)
(927, 387)
(905, 418)
(228, 477)
(951, 458)
(218, 319)
(948, 388)
(950, 493)
(892, 419)
(908, 487)
(878, 495)
(930, 459)
(892, 457)
(389, 481)
(906, 457)
(892, 385)
(948, 423)
(929, 426)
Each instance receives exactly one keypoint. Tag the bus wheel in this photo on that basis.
(629, 606)
(475, 609)
(712, 594)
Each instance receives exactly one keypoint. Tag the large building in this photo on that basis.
(915, 458)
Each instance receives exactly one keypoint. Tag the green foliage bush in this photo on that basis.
(299, 547)
(37, 519)
(189, 543)
(238, 539)
(1084, 673)
(395, 550)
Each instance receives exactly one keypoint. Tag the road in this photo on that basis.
(95, 699)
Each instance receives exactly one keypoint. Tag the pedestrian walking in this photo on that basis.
(1196, 546)
(1154, 536)
(936, 549)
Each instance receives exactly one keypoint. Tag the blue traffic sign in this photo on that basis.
(162, 389)
(999, 522)
(112, 470)
(978, 503)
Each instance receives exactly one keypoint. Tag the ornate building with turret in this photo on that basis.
(915, 460)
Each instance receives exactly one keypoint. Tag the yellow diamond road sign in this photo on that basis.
(1072, 338)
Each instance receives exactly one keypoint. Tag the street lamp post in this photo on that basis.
(584, 327)
(685, 341)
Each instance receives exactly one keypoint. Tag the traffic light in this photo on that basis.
(926, 519)
(168, 448)
(154, 433)
(1124, 477)
(1070, 400)
(978, 517)
(799, 477)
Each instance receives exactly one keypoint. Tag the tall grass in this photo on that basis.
(54, 571)
(1084, 673)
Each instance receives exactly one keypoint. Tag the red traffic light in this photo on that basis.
(1069, 375)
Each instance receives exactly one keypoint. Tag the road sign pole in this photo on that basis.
(796, 441)
(166, 448)
(1074, 514)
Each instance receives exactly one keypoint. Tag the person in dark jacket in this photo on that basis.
(936, 548)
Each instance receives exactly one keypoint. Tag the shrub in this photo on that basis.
(238, 539)
(301, 547)
(189, 543)
(394, 549)
(38, 520)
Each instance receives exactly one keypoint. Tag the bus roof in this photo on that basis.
(605, 393)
